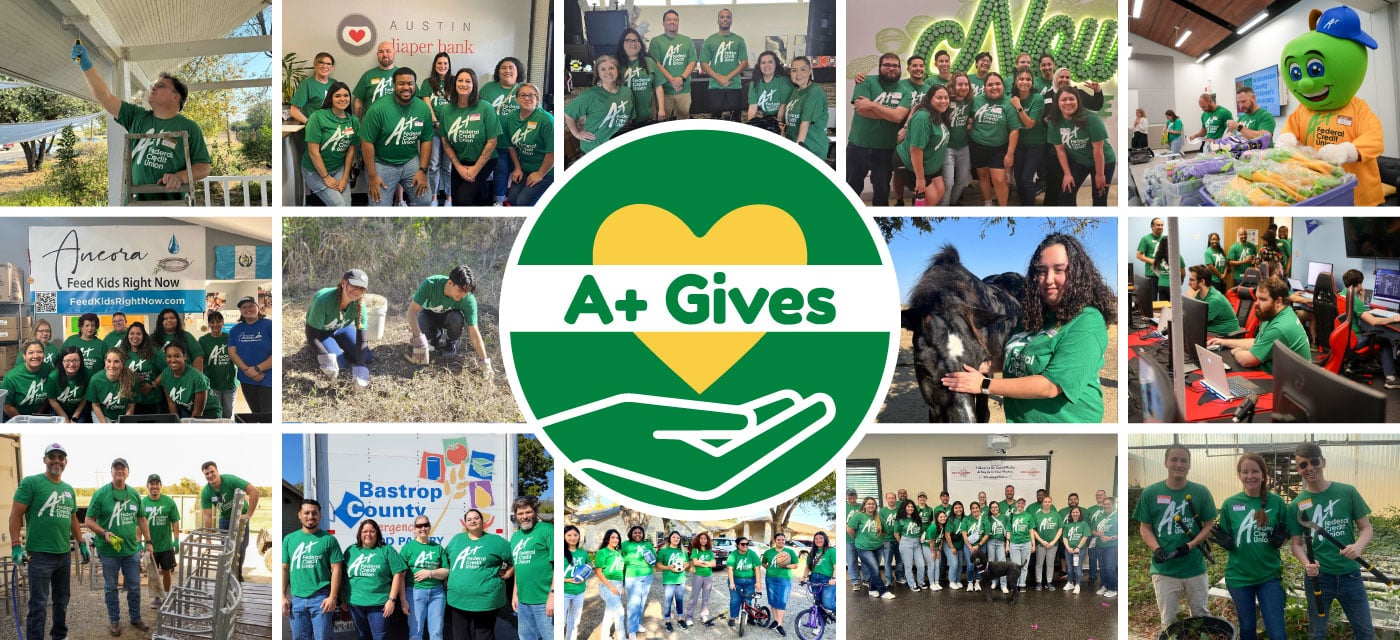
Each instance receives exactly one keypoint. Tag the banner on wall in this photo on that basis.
(133, 269)
(965, 477)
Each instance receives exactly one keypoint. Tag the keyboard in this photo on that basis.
(1239, 387)
(1382, 313)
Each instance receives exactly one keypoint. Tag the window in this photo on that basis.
(864, 477)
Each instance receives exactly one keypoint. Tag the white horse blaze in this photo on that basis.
(955, 346)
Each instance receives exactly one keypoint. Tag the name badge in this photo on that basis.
(375, 80)
(1238, 507)
(167, 143)
(349, 131)
(1345, 121)
(1305, 505)
(531, 126)
(473, 117)
(1164, 499)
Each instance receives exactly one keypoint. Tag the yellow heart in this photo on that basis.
(642, 234)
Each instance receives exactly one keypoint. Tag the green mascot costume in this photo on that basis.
(1323, 69)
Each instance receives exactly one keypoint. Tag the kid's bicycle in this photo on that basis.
(750, 612)
(812, 621)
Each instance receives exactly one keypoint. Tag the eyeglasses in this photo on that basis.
(889, 65)
(325, 63)
(421, 525)
(743, 544)
(522, 96)
(632, 41)
(1304, 464)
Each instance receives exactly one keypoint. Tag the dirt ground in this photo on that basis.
(905, 403)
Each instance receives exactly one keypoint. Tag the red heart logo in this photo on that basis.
(357, 35)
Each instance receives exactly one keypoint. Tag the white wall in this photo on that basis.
(752, 21)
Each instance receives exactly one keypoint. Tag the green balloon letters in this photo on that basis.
(1089, 54)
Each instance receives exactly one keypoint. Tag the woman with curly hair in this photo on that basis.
(1051, 369)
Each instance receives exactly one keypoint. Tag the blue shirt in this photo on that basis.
(254, 344)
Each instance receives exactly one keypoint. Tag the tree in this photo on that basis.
(185, 487)
(213, 111)
(574, 491)
(36, 104)
(533, 466)
(890, 227)
(821, 495)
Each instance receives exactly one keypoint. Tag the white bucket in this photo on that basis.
(377, 308)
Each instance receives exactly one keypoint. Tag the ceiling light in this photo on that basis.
(1253, 22)
(1182, 39)
(1137, 8)
(1203, 57)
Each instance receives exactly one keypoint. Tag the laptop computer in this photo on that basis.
(1214, 378)
(1296, 284)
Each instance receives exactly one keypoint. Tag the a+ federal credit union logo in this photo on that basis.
(700, 319)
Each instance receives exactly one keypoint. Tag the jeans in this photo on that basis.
(1385, 340)
(778, 590)
(1021, 555)
(317, 185)
(1028, 159)
(442, 330)
(1109, 577)
(225, 400)
(309, 622)
(951, 555)
(889, 557)
(533, 623)
(828, 591)
(930, 564)
(439, 170)
(996, 549)
(1044, 565)
(1270, 602)
(130, 569)
(912, 554)
(1177, 144)
(400, 176)
(1196, 589)
(500, 182)
(1082, 174)
(1349, 592)
(1095, 563)
(428, 608)
(1053, 177)
(1076, 562)
(637, 590)
(852, 562)
(573, 612)
(959, 164)
(969, 570)
(613, 611)
(673, 594)
(697, 602)
(369, 622)
(872, 570)
(878, 164)
(520, 195)
(349, 346)
(49, 574)
(743, 588)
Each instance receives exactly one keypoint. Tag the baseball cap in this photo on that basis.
(120, 462)
(55, 447)
(922, 495)
(851, 492)
(154, 477)
(1342, 22)
(356, 277)
(247, 300)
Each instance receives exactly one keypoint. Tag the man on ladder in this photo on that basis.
(159, 159)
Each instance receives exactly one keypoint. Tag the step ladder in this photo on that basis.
(130, 191)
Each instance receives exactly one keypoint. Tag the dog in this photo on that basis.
(990, 571)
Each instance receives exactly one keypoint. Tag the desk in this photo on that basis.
(1202, 405)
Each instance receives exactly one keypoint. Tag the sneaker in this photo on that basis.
(140, 625)
(915, 588)
(1004, 589)
(1392, 382)
(669, 628)
(1076, 589)
(901, 581)
(955, 586)
(1049, 587)
(781, 632)
(935, 587)
(855, 586)
(889, 595)
(874, 593)
(115, 628)
(155, 603)
(731, 624)
(1037, 587)
(361, 376)
(683, 624)
(1110, 594)
(712, 623)
(1100, 591)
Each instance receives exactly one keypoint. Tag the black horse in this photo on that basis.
(957, 320)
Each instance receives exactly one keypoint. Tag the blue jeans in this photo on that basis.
(852, 562)
(1076, 562)
(957, 174)
(872, 570)
(827, 591)
(968, 569)
(951, 555)
(932, 564)
(400, 176)
(996, 550)
(428, 609)
(130, 570)
(638, 588)
(743, 588)
(533, 623)
(501, 180)
(309, 622)
(1095, 563)
(317, 185)
(674, 597)
(349, 347)
(1270, 603)
(889, 556)
(520, 195)
(369, 622)
(613, 610)
(573, 612)
(439, 170)
(1021, 555)
(49, 573)
(778, 589)
(1028, 158)
(1349, 592)
(225, 400)
(1110, 568)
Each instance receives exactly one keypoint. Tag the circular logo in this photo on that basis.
(698, 319)
(356, 34)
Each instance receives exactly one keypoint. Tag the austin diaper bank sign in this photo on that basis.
(133, 269)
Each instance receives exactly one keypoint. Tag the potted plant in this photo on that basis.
(294, 70)
(1200, 628)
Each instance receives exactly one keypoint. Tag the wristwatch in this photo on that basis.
(986, 385)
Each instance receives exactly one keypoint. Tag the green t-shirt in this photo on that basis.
(724, 53)
(218, 367)
(28, 390)
(50, 359)
(1070, 356)
(877, 133)
(375, 84)
(996, 526)
(93, 351)
(161, 516)
(1242, 251)
(889, 516)
(1108, 526)
(930, 136)
(643, 83)
(959, 113)
(979, 85)
(1214, 122)
(113, 339)
(437, 98)
(48, 516)
(152, 158)
(335, 137)
(325, 312)
(1216, 258)
(116, 511)
(1358, 307)
(703, 555)
(473, 581)
(1336, 510)
(396, 131)
(309, 556)
(1285, 247)
(578, 558)
(146, 370)
(974, 529)
(675, 54)
(1286, 327)
(418, 556)
(1164, 277)
(992, 121)
(182, 389)
(635, 554)
(107, 394)
(868, 536)
(74, 391)
(1046, 524)
(951, 529)
(1220, 316)
(1033, 135)
(770, 95)
(1254, 560)
(1008, 508)
(500, 98)
(908, 527)
(808, 105)
(223, 496)
(468, 129)
(370, 574)
(603, 113)
(916, 91)
(1159, 507)
(825, 564)
(743, 565)
(192, 348)
(932, 535)
(925, 514)
(674, 559)
(1075, 533)
(1021, 525)
(311, 94)
(609, 563)
(532, 138)
(432, 295)
(1260, 120)
(532, 552)
(1079, 141)
(770, 562)
(1174, 129)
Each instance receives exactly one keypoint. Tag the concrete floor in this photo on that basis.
(653, 626)
(961, 615)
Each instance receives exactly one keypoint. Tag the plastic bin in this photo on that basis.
(1182, 194)
(377, 309)
(1343, 196)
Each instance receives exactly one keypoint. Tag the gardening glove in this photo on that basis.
(80, 56)
(17, 554)
(1223, 538)
(1279, 534)
(487, 370)
(329, 366)
(82, 548)
(420, 342)
(115, 540)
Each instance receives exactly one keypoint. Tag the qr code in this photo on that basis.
(45, 302)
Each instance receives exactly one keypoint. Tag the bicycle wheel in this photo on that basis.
(761, 616)
(743, 620)
(810, 624)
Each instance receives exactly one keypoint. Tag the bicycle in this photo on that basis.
(750, 612)
(812, 621)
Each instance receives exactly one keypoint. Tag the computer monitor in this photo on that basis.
(1194, 315)
(1387, 288)
(253, 417)
(1304, 392)
(1158, 396)
(1142, 288)
(1315, 268)
(150, 418)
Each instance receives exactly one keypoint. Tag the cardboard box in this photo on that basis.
(11, 283)
(8, 355)
(11, 322)
(12, 334)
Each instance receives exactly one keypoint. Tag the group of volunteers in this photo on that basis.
(1273, 255)
(133, 370)
(1217, 122)
(933, 133)
(124, 526)
(623, 571)
(912, 543)
(1179, 519)
(447, 138)
(465, 579)
(648, 83)
(440, 311)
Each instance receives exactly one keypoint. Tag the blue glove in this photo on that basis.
(17, 554)
(81, 57)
